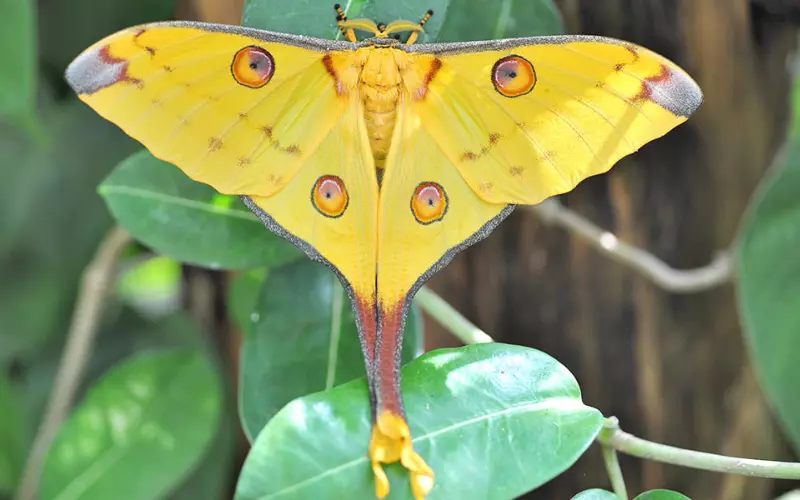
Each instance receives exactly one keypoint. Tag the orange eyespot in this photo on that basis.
(253, 67)
(429, 203)
(329, 196)
(513, 76)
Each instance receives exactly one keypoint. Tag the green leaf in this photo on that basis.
(43, 251)
(595, 494)
(494, 19)
(117, 341)
(243, 294)
(79, 150)
(210, 479)
(32, 309)
(301, 338)
(302, 17)
(492, 420)
(661, 495)
(790, 495)
(453, 20)
(16, 184)
(18, 62)
(152, 287)
(412, 10)
(314, 18)
(14, 435)
(189, 221)
(138, 431)
(769, 288)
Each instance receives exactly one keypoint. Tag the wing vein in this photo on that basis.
(532, 139)
(597, 111)
(177, 92)
(663, 94)
(162, 72)
(606, 88)
(162, 47)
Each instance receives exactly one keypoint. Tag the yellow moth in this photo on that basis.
(379, 158)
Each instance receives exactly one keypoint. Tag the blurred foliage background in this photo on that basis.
(714, 370)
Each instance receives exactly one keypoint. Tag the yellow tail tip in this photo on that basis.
(391, 442)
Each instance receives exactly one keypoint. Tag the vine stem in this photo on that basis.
(452, 320)
(614, 471)
(98, 279)
(716, 273)
(614, 437)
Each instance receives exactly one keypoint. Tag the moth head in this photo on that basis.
(379, 30)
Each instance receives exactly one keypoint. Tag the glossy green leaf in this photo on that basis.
(14, 436)
(791, 495)
(494, 19)
(661, 495)
(301, 338)
(18, 62)
(595, 494)
(189, 221)
(138, 431)
(492, 420)
(769, 288)
(314, 18)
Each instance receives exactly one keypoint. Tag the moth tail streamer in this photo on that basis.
(391, 439)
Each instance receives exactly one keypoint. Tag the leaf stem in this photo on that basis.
(336, 331)
(614, 437)
(98, 281)
(447, 316)
(614, 472)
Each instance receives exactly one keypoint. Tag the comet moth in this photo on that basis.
(382, 158)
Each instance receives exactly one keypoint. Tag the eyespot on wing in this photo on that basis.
(329, 196)
(429, 203)
(253, 66)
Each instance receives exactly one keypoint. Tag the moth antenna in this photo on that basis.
(339, 22)
(341, 18)
(415, 34)
(426, 17)
(340, 13)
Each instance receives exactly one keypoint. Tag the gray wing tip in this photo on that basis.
(685, 94)
(80, 74)
(94, 70)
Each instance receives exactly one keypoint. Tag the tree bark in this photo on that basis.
(672, 367)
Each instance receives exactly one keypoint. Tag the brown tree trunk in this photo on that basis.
(672, 367)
